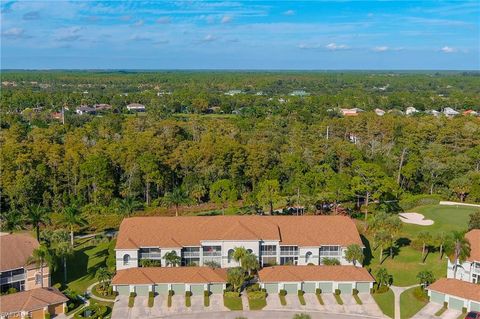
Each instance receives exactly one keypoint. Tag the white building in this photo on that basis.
(379, 112)
(433, 112)
(136, 107)
(275, 240)
(449, 112)
(85, 110)
(470, 269)
(411, 110)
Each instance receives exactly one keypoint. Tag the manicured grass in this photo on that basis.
(99, 295)
(206, 300)
(169, 301)
(386, 302)
(151, 300)
(283, 301)
(257, 304)
(301, 298)
(82, 266)
(440, 312)
(233, 303)
(407, 262)
(131, 301)
(188, 301)
(357, 299)
(320, 299)
(411, 301)
(338, 298)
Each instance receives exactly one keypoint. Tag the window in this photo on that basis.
(268, 250)
(150, 253)
(288, 260)
(230, 255)
(126, 259)
(308, 257)
(330, 251)
(38, 279)
(288, 250)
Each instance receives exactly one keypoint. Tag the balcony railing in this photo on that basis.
(150, 256)
(212, 254)
(288, 253)
(10, 279)
(330, 253)
(191, 254)
(268, 253)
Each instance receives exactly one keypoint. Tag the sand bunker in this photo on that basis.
(415, 218)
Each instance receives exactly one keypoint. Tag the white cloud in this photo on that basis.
(289, 13)
(333, 46)
(447, 49)
(226, 19)
(381, 49)
(14, 33)
(164, 20)
(68, 34)
(306, 46)
(138, 23)
(209, 38)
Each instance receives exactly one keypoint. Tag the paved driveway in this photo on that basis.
(120, 308)
(159, 306)
(216, 303)
(178, 304)
(273, 302)
(428, 312)
(312, 302)
(197, 303)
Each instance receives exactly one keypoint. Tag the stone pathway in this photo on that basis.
(397, 291)
(245, 304)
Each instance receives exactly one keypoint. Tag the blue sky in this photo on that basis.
(240, 34)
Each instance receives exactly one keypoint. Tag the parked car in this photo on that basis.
(473, 315)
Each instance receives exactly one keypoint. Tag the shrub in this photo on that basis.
(318, 291)
(257, 295)
(47, 315)
(206, 293)
(171, 292)
(254, 287)
(355, 292)
(133, 294)
(283, 292)
(300, 292)
(188, 293)
(151, 296)
(338, 292)
(412, 201)
(464, 309)
(231, 294)
(97, 312)
(445, 304)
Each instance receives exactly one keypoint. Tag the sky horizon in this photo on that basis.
(241, 35)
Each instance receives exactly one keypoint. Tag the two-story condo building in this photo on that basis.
(199, 241)
(470, 269)
(15, 269)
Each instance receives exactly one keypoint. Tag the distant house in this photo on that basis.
(351, 112)
(411, 110)
(471, 113)
(162, 93)
(259, 93)
(56, 115)
(102, 107)
(395, 111)
(300, 93)
(84, 109)
(136, 107)
(433, 112)
(449, 112)
(233, 92)
(379, 112)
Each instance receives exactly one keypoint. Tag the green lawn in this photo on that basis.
(82, 266)
(407, 263)
(386, 302)
(411, 302)
(257, 304)
(233, 303)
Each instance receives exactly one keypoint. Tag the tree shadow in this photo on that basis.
(367, 251)
(402, 242)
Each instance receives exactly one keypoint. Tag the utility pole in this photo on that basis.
(328, 133)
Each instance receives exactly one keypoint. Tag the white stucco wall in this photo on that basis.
(120, 253)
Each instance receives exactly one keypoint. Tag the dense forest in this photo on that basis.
(269, 156)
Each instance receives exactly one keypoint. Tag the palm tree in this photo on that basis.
(382, 238)
(458, 250)
(64, 250)
(103, 276)
(354, 253)
(441, 240)
(172, 259)
(425, 278)
(71, 217)
(41, 256)
(236, 277)
(127, 206)
(383, 278)
(175, 199)
(250, 263)
(12, 220)
(425, 238)
(37, 216)
(239, 254)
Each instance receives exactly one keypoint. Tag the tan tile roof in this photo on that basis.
(15, 249)
(155, 275)
(314, 273)
(190, 231)
(31, 300)
(455, 287)
(473, 237)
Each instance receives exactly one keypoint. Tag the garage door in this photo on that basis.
(216, 288)
(271, 288)
(178, 289)
(363, 286)
(437, 297)
(455, 303)
(123, 290)
(197, 289)
(475, 306)
(291, 288)
(345, 288)
(161, 289)
(38, 314)
(327, 287)
(309, 287)
(141, 290)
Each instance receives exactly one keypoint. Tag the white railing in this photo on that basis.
(191, 254)
(212, 254)
(10, 279)
(150, 255)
